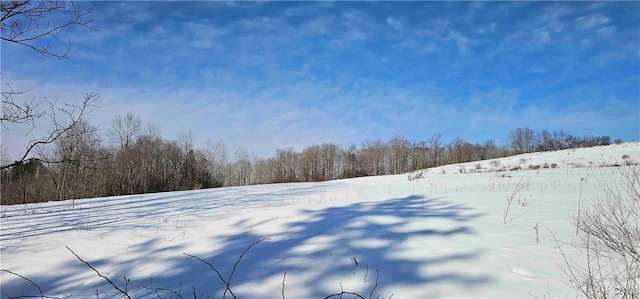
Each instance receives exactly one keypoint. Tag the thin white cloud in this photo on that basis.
(321, 25)
(488, 29)
(462, 42)
(556, 11)
(357, 27)
(251, 93)
(204, 35)
(607, 30)
(592, 20)
(541, 37)
(395, 24)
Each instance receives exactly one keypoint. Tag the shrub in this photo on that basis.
(610, 240)
(415, 176)
(494, 163)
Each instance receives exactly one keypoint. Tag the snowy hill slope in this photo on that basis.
(439, 236)
(601, 156)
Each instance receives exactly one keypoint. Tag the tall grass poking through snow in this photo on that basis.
(610, 242)
(516, 190)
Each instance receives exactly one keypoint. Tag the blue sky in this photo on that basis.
(267, 75)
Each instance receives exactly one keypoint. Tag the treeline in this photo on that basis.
(133, 161)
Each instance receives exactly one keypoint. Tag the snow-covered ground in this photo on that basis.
(441, 235)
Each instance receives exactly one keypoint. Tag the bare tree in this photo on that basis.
(24, 22)
(310, 164)
(216, 155)
(435, 148)
(33, 24)
(240, 170)
(287, 161)
(330, 153)
(124, 130)
(63, 120)
(77, 149)
(399, 152)
(523, 140)
(186, 140)
(352, 167)
(374, 157)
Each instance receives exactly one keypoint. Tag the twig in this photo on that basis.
(564, 256)
(227, 282)
(342, 293)
(106, 278)
(177, 294)
(284, 277)
(579, 204)
(211, 266)
(30, 281)
(510, 198)
(366, 273)
(238, 262)
(376, 285)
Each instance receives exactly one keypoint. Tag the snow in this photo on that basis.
(439, 236)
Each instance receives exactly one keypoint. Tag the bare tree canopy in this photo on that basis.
(63, 119)
(23, 22)
(124, 130)
(32, 24)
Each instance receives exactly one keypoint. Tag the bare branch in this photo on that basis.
(33, 283)
(240, 258)
(124, 292)
(376, 285)
(210, 266)
(284, 277)
(356, 295)
(27, 279)
(72, 113)
(18, 113)
(227, 282)
(25, 21)
(177, 294)
(342, 293)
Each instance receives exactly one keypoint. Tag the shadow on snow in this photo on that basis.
(317, 254)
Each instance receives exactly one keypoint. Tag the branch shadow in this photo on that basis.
(318, 253)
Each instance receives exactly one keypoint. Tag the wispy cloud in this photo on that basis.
(541, 37)
(395, 24)
(607, 30)
(267, 75)
(462, 42)
(592, 20)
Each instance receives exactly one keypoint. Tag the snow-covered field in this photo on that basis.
(438, 236)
